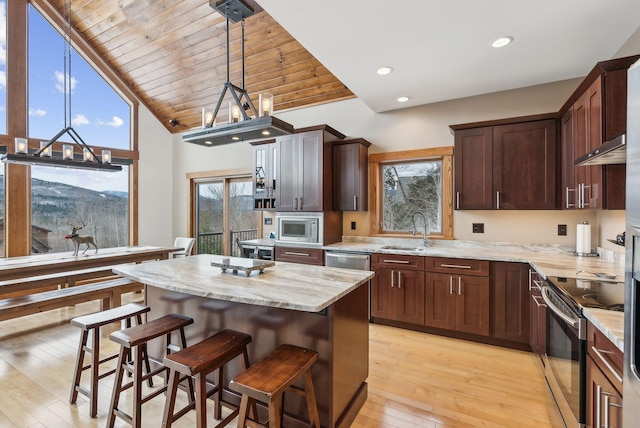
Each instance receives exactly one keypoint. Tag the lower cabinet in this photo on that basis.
(510, 301)
(455, 300)
(604, 381)
(397, 289)
(537, 315)
(307, 256)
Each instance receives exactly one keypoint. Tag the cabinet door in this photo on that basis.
(311, 190)
(604, 402)
(287, 170)
(383, 294)
(473, 169)
(472, 304)
(350, 177)
(567, 167)
(440, 301)
(510, 301)
(524, 165)
(410, 296)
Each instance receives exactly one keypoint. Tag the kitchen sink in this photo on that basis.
(402, 248)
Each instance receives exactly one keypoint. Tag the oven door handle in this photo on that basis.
(573, 322)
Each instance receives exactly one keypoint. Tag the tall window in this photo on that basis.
(62, 196)
(224, 214)
(3, 68)
(409, 185)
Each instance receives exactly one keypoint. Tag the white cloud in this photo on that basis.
(37, 112)
(71, 82)
(3, 32)
(79, 119)
(115, 122)
(3, 79)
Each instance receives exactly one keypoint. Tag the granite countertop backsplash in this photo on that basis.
(547, 259)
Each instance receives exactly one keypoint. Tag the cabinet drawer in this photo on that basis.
(398, 261)
(457, 266)
(309, 256)
(606, 355)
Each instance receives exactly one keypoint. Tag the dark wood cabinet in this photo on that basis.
(304, 166)
(509, 166)
(264, 174)
(510, 301)
(537, 315)
(455, 299)
(567, 157)
(351, 175)
(604, 380)
(308, 256)
(398, 288)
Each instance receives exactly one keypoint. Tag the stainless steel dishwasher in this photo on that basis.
(349, 260)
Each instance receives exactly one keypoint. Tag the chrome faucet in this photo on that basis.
(425, 241)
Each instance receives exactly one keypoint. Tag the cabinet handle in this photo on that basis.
(599, 353)
(355, 202)
(402, 262)
(459, 286)
(295, 204)
(607, 405)
(291, 253)
(567, 204)
(450, 285)
(498, 200)
(530, 280)
(598, 421)
(457, 200)
(300, 203)
(538, 304)
(455, 266)
(391, 279)
(538, 285)
(399, 279)
(584, 204)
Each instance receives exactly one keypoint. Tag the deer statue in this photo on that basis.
(77, 239)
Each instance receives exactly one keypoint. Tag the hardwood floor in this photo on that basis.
(415, 380)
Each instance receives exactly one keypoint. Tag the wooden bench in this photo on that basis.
(22, 286)
(109, 292)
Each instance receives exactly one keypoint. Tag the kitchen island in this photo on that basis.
(320, 308)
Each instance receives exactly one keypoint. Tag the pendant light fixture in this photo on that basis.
(245, 122)
(85, 158)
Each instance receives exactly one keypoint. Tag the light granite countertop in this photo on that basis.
(285, 285)
(547, 260)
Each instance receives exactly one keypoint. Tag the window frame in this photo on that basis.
(378, 160)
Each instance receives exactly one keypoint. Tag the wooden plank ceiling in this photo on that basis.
(172, 53)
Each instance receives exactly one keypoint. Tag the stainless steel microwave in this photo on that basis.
(300, 227)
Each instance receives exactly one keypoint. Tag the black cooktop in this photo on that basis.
(592, 293)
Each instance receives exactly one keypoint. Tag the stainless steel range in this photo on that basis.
(566, 338)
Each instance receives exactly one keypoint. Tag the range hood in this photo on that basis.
(610, 152)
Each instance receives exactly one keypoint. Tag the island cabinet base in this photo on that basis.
(340, 334)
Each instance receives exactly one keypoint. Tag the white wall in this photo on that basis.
(155, 181)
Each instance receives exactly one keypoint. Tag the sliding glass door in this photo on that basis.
(224, 215)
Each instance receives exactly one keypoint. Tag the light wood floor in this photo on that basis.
(415, 380)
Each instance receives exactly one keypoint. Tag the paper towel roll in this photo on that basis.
(583, 238)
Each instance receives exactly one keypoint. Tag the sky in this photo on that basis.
(98, 114)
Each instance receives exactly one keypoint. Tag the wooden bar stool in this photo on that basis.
(196, 362)
(268, 379)
(92, 323)
(135, 338)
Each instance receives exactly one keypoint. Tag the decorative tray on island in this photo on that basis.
(239, 264)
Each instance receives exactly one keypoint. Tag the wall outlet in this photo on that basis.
(353, 225)
(478, 227)
(268, 220)
(562, 230)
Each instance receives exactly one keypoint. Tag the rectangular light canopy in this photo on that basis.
(246, 130)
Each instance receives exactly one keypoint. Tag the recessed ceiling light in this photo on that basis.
(235, 138)
(383, 71)
(208, 142)
(266, 132)
(502, 42)
(403, 99)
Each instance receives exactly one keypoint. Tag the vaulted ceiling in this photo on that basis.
(172, 54)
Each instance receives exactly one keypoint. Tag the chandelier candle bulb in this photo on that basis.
(46, 152)
(86, 155)
(234, 112)
(22, 145)
(67, 151)
(266, 104)
(106, 156)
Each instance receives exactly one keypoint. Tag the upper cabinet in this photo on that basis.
(506, 166)
(303, 167)
(350, 175)
(265, 174)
